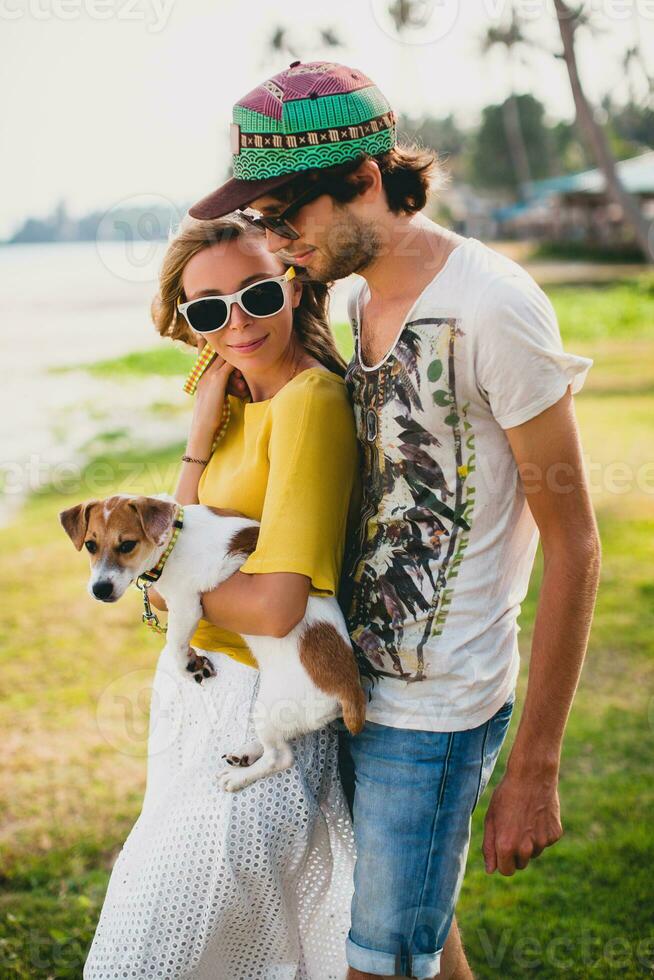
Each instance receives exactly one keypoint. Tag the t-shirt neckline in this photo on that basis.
(376, 367)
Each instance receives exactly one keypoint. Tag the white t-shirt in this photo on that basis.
(446, 540)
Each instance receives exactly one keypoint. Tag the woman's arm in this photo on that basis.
(207, 412)
(198, 446)
(270, 604)
(266, 604)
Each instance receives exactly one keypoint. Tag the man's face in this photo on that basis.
(335, 239)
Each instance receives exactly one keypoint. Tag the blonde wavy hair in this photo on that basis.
(310, 317)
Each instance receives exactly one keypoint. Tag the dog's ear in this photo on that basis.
(75, 521)
(156, 517)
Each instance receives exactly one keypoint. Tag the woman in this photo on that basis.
(255, 884)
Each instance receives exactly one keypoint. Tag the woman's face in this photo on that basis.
(251, 344)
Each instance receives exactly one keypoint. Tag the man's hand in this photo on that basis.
(523, 818)
(524, 815)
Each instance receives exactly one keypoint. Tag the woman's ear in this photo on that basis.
(297, 293)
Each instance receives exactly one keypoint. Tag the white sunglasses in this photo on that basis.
(208, 314)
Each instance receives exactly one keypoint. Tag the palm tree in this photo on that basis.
(511, 38)
(281, 42)
(408, 13)
(633, 58)
(635, 55)
(569, 22)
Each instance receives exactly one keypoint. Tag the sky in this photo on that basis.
(108, 100)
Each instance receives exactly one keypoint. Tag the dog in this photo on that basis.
(308, 678)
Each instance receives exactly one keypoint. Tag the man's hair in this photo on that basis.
(409, 172)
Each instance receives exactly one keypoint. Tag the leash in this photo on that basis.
(147, 579)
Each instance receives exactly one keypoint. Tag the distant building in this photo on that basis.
(576, 208)
(468, 211)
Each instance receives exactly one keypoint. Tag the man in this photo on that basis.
(470, 449)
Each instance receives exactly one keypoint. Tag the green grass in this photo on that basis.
(166, 360)
(612, 311)
(579, 252)
(74, 690)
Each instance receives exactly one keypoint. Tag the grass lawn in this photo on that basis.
(75, 692)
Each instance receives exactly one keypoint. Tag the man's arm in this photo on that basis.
(523, 816)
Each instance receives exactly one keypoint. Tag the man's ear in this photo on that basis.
(367, 177)
(75, 521)
(156, 517)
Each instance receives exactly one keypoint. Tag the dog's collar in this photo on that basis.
(154, 574)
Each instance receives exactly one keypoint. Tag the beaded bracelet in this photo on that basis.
(191, 459)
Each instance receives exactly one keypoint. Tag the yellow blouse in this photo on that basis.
(290, 462)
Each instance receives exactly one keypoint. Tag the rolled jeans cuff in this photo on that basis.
(422, 966)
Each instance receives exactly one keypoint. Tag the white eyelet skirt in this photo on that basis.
(254, 885)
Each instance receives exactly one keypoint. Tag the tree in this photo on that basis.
(281, 42)
(569, 22)
(442, 135)
(511, 39)
(490, 162)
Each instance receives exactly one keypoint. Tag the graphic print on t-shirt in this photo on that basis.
(418, 461)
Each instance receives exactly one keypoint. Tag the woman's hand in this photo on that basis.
(212, 388)
(211, 391)
(237, 385)
(219, 379)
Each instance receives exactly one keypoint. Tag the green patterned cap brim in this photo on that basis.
(261, 161)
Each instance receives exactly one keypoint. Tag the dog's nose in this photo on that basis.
(102, 589)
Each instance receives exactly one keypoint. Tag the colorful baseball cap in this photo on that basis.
(311, 115)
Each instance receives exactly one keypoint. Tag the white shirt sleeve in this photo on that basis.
(520, 364)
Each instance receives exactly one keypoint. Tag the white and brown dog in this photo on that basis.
(307, 678)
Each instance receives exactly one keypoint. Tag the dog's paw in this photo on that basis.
(244, 756)
(200, 666)
(232, 780)
(237, 760)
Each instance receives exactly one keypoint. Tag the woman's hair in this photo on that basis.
(310, 317)
(408, 171)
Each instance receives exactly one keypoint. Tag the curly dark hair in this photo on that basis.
(408, 171)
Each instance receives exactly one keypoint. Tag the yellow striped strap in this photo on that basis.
(201, 364)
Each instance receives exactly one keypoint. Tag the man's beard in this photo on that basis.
(351, 246)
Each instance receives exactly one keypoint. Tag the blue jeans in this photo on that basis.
(412, 798)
